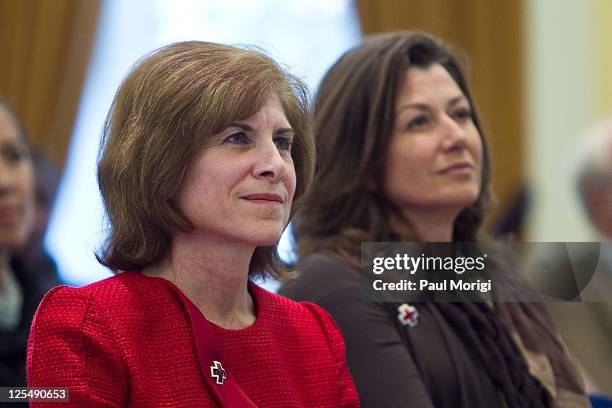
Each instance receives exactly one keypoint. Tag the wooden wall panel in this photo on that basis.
(44, 53)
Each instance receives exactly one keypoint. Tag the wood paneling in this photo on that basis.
(44, 54)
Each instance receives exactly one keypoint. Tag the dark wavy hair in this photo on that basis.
(163, 113)
(8, 107)
(354, 115)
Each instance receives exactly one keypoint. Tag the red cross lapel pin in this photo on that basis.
(407, 315)
(217, 372)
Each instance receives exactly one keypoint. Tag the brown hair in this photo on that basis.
(163, 113)
(353, 124)
(8, 107)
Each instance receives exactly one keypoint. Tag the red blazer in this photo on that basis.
(127, 341)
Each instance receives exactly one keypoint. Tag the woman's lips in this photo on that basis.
(458, 168)
(9, 214)
(264, 198)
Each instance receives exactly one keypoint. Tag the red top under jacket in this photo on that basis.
(127, 341)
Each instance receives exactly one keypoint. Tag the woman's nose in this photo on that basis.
(7, 176)
(269, 162)
(454, 133)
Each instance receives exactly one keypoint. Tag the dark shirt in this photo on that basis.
(427, 365)
(13, 342)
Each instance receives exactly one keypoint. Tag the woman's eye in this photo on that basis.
(417, 122)
(236, 138)
(14, 155)
(283, 143)
(463, 114)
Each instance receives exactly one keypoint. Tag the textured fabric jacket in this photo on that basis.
(127, 341)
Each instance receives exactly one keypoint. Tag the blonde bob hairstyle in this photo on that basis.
(163, 113)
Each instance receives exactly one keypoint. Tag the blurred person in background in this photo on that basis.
(46, 182)
(206, 153)
(20, 291)
(594, 178)
(587, 326)
(402, 157)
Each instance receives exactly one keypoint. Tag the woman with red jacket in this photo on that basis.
(206, 150)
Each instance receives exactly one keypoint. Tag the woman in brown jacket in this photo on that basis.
(402, 157)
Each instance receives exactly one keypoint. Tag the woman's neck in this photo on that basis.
(214, 275)
(430, 225)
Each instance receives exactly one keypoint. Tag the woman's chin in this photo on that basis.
(264, 238)
(464, 197)
(12, 239)
(455, 203)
